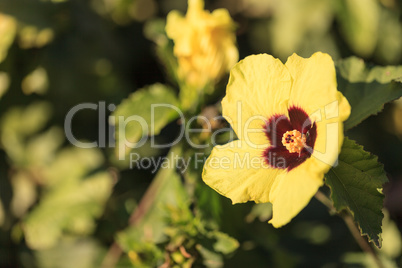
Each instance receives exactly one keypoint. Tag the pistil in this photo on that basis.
(294, 141)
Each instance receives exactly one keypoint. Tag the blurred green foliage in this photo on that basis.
(62, 206)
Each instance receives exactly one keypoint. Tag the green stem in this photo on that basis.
(147, 201)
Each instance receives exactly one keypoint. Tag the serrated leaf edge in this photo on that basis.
(379, 245)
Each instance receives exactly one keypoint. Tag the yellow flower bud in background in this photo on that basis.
(204, 44)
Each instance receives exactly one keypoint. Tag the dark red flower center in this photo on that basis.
(279, 129)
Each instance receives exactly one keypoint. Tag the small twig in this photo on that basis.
(348, 219)
(147, 201)
(364, 245)
(114, 253)
(320, 196)
(112, 256)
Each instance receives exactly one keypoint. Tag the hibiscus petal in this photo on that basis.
(276, 126)
(292, 191)
(299, 119)
(279, 157)
(239, 172)
(258, 88)
(314, 81)
(314, 89)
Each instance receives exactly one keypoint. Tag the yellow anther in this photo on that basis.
(294, 141)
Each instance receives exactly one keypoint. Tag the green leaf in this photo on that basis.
(209, 201)
(358, 20)
(293, 26)
(19, 129)
(71, 199)
(367, 88)
(8, 31)
(262, 211)
(24, 193)
(356, 184)
(224, 243)
(390, 37)
(143, 113)
(211, 259)
(4, 83)
(77, 253)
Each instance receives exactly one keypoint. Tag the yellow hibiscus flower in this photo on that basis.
(204, 43)
(289, 121)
